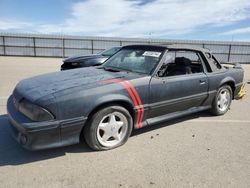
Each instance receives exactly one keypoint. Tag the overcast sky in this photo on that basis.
(168, 19)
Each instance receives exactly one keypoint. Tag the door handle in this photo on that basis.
(163, 81)
(202, 81)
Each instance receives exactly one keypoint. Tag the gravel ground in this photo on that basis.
(195, 151)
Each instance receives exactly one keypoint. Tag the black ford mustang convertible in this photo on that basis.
(139, 86)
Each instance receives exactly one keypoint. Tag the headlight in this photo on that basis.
(34, 112)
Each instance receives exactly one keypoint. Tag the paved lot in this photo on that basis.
(195, 151)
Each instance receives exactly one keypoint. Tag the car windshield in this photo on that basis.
(134, 60)
(110, 51)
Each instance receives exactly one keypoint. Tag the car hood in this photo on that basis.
(64, 82)
(81, 58)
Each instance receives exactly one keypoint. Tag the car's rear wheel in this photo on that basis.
(222, 101)
(108, 128)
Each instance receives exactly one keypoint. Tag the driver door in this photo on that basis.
(168, 94)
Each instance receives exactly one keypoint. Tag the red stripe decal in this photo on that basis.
(141, 109)
(134, 96)
(127, 87)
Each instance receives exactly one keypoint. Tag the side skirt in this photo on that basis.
(167, 117)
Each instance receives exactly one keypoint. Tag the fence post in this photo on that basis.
(92, 46)
(4, 49)
(229, 52)
(120, 43)
(34, 45)
(63, 47)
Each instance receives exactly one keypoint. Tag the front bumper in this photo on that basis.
(43, 135)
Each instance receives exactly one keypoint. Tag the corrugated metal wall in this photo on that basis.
(64, 46)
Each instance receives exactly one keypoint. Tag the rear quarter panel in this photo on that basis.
(225, 76)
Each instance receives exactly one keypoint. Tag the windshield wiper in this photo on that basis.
(127, 70)
(114, 69)
(110, 69)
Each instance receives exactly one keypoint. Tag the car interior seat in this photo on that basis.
(181, 66)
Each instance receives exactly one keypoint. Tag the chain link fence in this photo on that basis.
(64, 46)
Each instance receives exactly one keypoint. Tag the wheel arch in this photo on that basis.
(125, 104)
(229, 81)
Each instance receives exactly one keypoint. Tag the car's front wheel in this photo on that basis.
(222, 101)
(108, 128)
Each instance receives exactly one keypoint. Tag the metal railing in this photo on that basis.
(64, 46)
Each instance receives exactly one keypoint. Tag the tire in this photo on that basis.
(108, 128)
(222, 101)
